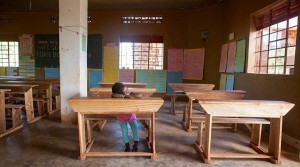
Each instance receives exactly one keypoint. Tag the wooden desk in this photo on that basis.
(126, 84)
(42, 86)
(179, 88)
(246, 109)
(188, 117)
(25, 90)
(106, 92)
(90, 105)
(2, 110)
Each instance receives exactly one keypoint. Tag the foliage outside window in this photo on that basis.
(9, 54)
(272, 42)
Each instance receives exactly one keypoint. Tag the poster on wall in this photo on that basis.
(223, 60)
(193, 64)
(231, 57)
(175, 60)
(126, 75)
(240, 56)
(111, 64)
(25, 45)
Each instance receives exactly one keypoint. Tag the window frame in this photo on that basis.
(16, 53)
(252, 66)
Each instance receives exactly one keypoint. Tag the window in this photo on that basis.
(135, 54)
(9, 54)
(274, 37)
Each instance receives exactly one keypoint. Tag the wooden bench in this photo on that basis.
(191, 115)
(179, 88)
(247, 111)
(91, 105)
(15, 116)
(106, 92)
(126, 84)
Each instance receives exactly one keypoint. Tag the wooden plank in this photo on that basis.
(246, 108)
(91, 105)
(207, 145)
(2, 112)
(106, 92)
(275, 139)
(126, 84)
(214, 94)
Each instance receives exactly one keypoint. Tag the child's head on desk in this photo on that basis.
(118, 88)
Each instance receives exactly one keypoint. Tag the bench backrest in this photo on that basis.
(217, 94)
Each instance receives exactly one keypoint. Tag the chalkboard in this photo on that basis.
(47, 51)
(94, 51)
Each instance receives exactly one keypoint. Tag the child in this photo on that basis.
(118, 92)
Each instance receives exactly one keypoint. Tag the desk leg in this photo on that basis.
(256, 134)
(82, 139)
(153, 136)
(2, 113)
(49, 100)
(275, 139)
(190, 110)
(29, 105)
(173, 103)
(207, 144)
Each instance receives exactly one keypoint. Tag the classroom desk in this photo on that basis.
(251, 111)
(192, 94)
(126, 84)
(42, 86)
(2, 110)
(92, 105)
(25, 90)
(106, 92)
(179, 88)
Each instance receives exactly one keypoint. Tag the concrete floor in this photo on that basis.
(52, 144)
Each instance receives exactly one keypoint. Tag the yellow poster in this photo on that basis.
(2, 71)
(111, 64)
(222, 81)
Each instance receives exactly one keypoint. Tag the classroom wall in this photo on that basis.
(210, 19)
(269, 87)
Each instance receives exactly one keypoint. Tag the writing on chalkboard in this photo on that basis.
(47, 51)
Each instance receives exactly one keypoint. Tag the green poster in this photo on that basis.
(240, 56)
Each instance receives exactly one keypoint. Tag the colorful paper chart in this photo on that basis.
(222, 82)
(11, 71)
(126, 75)
(193, 64)
(26, 45)
(159, 80)
(240, 56)
(223, 60)
(94, 78)
(144, 76)
(229, 82)
(111, 64)
(231, 57)
(175, 60)
(51, 72)
(173, 77)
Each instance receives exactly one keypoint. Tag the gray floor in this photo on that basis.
(50, 143)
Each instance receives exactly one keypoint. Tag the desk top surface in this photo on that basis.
(215, 94)
(246, 108)
(182, 86)
(127, 84)
(92, 105)
(17, 87)
(4, 90)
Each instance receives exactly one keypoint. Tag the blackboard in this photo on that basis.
(47, 51)
(94, 51)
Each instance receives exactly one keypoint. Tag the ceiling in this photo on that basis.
(94, 5)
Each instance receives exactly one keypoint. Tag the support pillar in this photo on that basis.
(73, 54)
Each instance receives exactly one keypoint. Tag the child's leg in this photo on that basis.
(134, 128)
(124, 131)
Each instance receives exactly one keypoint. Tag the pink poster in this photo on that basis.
(223, 60)
(26, 45)
(126, 75)
(193, 64)
(175, 60)
(231, 57)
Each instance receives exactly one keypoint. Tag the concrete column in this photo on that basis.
(73, 54)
